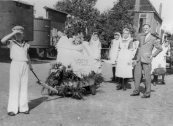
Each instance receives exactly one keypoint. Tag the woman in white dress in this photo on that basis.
(113, 53)
(95, 52)
(124, 60)
(64, 48)
(160, 62)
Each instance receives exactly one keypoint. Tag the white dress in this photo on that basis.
(123, 68)
(114, 50)
(113, 53)
(95, 53)
(63, 55)
(86, 50)
(159, 60)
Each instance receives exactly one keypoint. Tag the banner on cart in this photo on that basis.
(81, 64)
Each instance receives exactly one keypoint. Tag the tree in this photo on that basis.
(116, 19)
(112, 20)
(83, 10)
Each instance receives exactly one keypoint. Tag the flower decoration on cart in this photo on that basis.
(67, 82)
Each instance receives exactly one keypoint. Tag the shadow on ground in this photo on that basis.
(36, 102)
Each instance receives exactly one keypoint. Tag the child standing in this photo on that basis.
(159, 64)
(18, 91)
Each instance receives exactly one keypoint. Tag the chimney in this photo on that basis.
(160, 9)
(137, 5)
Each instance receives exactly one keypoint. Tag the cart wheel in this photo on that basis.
(93, 89)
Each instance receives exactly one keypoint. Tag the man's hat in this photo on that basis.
(18, 28)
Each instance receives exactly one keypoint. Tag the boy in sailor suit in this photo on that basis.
(18, 90)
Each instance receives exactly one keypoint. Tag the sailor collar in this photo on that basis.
(17, 43)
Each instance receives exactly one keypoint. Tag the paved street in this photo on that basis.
(108, 107)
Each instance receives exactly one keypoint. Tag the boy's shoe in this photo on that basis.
(26, 112)
(11, 114)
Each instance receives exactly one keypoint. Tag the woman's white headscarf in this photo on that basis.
(94, 44)
(114, 49)
(129, 38)
(114, 42)
(95, 47)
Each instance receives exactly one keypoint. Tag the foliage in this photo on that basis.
(113, 20)
(82, 10)
(116, 19)
(93, 78)
(64, 80)
(169, 35)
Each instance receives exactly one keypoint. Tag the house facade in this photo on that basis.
(145, 13)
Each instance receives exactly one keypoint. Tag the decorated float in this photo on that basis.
(75, 73)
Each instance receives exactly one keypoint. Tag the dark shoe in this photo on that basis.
(116, 80)
(154, 82)
(26, 112)
(11, 114)
(135, 93)
(145, 96)
(163, 82)
(113, 79)
(119, 87)
(124, 88)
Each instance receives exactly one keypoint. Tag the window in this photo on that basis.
(157, 27)
(142, 21)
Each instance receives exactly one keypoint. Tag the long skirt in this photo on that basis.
(123, 68)
(113, 54)
(64, 56)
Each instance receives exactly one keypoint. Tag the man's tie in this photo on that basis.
(144, 39)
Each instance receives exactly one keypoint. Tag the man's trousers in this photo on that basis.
(146, 67)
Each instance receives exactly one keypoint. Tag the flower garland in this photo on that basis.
(64, 80)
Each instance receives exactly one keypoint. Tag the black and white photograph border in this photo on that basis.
(86, 63)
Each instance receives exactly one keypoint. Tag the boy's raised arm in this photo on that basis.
(7, 37)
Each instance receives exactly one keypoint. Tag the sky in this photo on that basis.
(102, 5)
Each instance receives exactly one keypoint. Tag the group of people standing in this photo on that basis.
(130, 58)
(137, 59)
(121, 56)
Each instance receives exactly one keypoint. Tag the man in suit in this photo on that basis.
(143, 60)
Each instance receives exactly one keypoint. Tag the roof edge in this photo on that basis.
(23, 2)
(55, 10)
(155, 10)
(148, 12)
